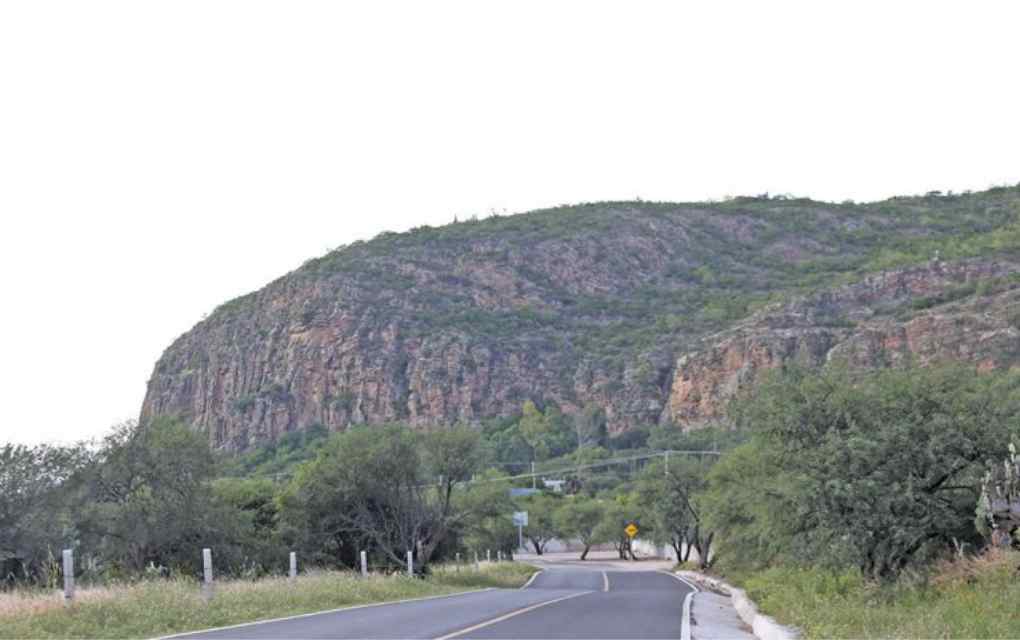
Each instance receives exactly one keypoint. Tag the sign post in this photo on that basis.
(68, 558)
(521, 520)
(207, 574)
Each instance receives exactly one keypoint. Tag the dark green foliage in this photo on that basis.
(279, 458)
(149, 500)
(37, 486)
(579, 518)
(876, 471)
(668, 494)
(384, 489)
(542, 524)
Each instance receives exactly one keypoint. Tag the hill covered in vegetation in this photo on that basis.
(629, 313)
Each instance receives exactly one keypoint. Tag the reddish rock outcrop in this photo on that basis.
(632, 307)
(887, 319)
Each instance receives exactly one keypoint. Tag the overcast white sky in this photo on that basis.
(157, 159)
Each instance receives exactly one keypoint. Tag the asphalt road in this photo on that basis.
(562, 602)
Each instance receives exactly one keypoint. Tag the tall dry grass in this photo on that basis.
(163, 607)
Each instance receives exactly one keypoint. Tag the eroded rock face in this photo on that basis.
(632, 307)
(873, 323)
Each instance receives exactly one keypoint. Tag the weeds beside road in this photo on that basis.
(157, 608)
(976, 598)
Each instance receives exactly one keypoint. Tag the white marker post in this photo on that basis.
(488, 555)
(364, 564)
(410, 564)
(499, 555)
(207, 574)
(478, 567)
(68, 557)
(293, 565)
(458, 562)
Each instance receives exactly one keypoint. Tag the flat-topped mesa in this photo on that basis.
(593, 305)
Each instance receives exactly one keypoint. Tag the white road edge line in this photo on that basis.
(185, 634)
(531, 579)
(507, 616)
(685, 625)
(605, 581)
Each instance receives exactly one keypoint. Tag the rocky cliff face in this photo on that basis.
(941, 312)
(646, 310)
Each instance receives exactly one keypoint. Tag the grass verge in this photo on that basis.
(978, 598)
(164, 607)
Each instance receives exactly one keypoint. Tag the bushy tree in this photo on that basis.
(488, 523)
(254, 505)
(381, 488)
(579, 517)
(622, 510)
(668, 495)
(875, 470)
(547, 433)
(542, 526)
(150, 500)
(38, 485)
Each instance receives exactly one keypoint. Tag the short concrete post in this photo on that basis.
(458, 562)
(478, 567)
(410, 564)
(68, 557)
(488, 555)
(364, 564)
(207, 574)
(293, 565)
(499, 555)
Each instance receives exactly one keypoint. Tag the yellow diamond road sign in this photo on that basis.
(631, 530)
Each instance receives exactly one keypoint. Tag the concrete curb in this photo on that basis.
(764, 627)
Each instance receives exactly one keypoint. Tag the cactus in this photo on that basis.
(998, 509)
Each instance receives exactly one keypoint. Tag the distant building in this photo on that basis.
(555, 485)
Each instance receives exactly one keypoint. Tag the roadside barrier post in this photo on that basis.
(477, 566)
(364, 564)
(207, 574)
(458, 562)
(293, 565)
(410, 564)
(68, 557)
(488, 555)
(499, 555)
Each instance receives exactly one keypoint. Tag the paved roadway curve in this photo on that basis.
(562, 602)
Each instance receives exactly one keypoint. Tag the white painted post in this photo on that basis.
(207, 573)
(488, 555)
(364, 564)
(410, 564)
(293, 565)
(68, 557)
(458, 562)
(499, 555)
(478, 567)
